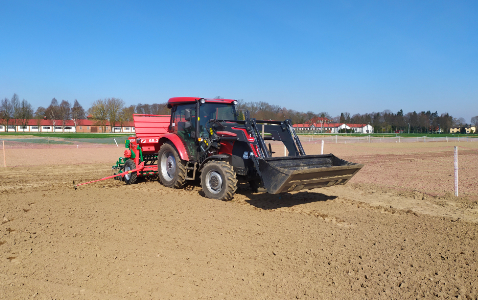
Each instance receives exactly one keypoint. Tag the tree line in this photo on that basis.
(386, 121)
(412, 122)
(115, 111)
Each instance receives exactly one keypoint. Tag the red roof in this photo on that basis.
(357, 125)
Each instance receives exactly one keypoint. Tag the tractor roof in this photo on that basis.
(183, 100)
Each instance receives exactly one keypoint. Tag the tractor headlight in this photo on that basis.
(203, 101)
(234, 102)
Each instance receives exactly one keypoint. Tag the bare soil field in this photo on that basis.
(395, 231)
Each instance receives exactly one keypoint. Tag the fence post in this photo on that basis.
(456, 171)
(4, 159)
(322, 151)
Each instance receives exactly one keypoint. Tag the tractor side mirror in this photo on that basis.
(187, 114)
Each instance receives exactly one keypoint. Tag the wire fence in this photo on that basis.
(340, 139)
(58, 142)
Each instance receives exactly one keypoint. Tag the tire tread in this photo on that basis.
(180, 181)
(230, 180)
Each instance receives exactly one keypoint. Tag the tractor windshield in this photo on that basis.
(218, 111)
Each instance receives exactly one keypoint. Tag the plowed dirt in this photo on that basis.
(394, 232)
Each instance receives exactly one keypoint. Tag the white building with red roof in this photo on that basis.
(68, 126)
(332, 127)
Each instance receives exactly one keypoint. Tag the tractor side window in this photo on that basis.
(185, 118)
(184, 124)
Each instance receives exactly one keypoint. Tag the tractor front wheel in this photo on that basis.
(130, 178)
(171, 170)
(218, 180)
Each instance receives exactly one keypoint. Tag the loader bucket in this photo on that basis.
(287, 174)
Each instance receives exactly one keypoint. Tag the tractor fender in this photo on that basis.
(176, 141)
(223, 157)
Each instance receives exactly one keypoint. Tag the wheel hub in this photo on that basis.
(127, 176)
(214, 182)
(168, 166)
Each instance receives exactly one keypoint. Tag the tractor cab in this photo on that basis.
(192, 119)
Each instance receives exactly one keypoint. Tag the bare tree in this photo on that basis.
(310, 116)
(64, 111)
(52, 112)
(126, 115)
(6, 112)
(39, 115)
(445, 122)
(26, 113)
(325, 115)
(77, 113)
(474, 121)
(459, 122)
(99, 113)
(143, 109)
(160, 109)
(336, 119)
(344, 117)
(16, 109)
(114, 106)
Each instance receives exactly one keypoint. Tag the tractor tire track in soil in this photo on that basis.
(109, 240)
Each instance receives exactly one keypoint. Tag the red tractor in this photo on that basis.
(205, 138)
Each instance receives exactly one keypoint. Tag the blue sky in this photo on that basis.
(333, 56)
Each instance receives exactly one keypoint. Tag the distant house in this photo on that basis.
(361, 128)
(69, 126)
(471, 129)
(333, 127)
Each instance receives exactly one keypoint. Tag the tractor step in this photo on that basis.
(191, 167)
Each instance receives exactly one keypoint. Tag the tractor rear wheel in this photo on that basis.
(171, 170)
(218, 180)
(130, 178)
